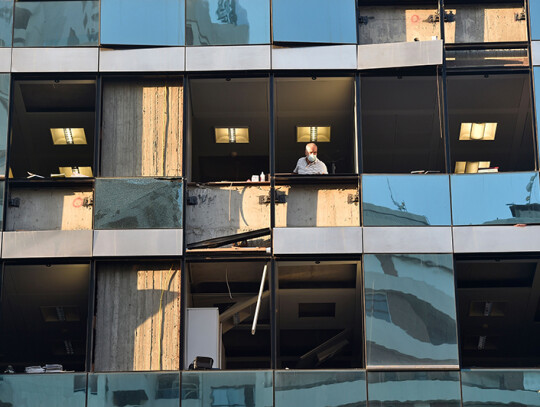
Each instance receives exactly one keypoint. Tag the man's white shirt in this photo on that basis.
(316, 167)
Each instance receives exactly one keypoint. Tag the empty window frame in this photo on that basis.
(228, 128)
(222, 299)
(142, 127)
(60, 23)
(137, 316)
(402, 124)
(320, 110)
(490, 123)
(44, 316)
(52, 128)
(498, 311)
(381, 24)
(319, 323)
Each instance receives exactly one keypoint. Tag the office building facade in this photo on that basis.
(157, 248)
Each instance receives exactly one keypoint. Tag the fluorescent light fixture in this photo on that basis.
(470, 167)
(76, 171)
(482, 342)
(312, 134)
(478, 131)
(226, 135)
(68, 135)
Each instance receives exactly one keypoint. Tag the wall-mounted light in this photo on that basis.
(471, 167)
(312, 134)
(225, 135)
(477, 131)
(76, 171)
(68, 136)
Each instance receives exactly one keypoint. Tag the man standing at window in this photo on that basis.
(310, 164)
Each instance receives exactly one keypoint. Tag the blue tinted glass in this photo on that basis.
(224, 22)
(133, 389)
(137, 203)
(495, 198)
(4, 111)
(322, 388)
(534, 16)
(536, 76)
(504, 388)
(405, 200)
(56, 23)
(232, 388)
(316, 21)
(6, 22)
(142, 22)
(44, 390)
(428, 389)
(410, 310)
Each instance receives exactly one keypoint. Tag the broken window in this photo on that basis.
(227, 22)
(6, 22)
(142, 127)
(59, 23)
(490, 123)
(317, 205)
(405, 200)
(138, 22)
(495, 199)
(52, 129)
(229, 129)
(397, 23)
(402, 122)
(138, 203)
(410, 310)
(227, 315)
(499, 309)
(44, 317)
(317, 110)
(319, 318)
(138, 320)
(314, 21)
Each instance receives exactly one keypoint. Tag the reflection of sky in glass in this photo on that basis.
(505, 388)
(314, 21)
(32, 390)
(414, 389)
(142, 22)
(4, 99)
(419, 326)
(535, 20)
(489, 198)
(536, 75)
(323, 388)
(56, 23)
(406, 200)
(228, 22)
(134, 389)
(137, 203)
(6, 21)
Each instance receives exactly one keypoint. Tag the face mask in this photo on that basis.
(312, 157)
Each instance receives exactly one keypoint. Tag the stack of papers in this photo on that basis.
(34, 369)
(54, 368)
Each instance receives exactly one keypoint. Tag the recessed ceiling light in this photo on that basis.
(68, 135)
(312, 134)
(478, 131)
(225, 135)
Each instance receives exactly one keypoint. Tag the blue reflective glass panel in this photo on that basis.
(56, 23)
(133, 389)
(4, 112)
(315, 21)
(535, 19)
(142, 22)
(513, 388)
(227, 22)
(6, 22)
(536, 76)
(322, 388)
(421, 388)
(227, 388)
(410, 309)
(497, 199)
(137, 203)
(44, 390)
(405, 200)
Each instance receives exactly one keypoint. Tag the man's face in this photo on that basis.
(311, 150)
